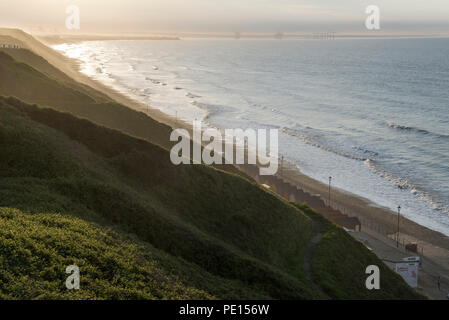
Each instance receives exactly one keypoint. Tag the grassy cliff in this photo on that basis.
(229, 228)
(32, 79)
(85, 186)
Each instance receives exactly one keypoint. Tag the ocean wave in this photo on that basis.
(415, 130)
(361, 154)
(367, 152)
(154, 81)
(145, 91)
(192, 96)
(407, 186)
(203, 106)
(372, 164)
(398, 182)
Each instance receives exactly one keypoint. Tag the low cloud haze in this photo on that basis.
(408, 16)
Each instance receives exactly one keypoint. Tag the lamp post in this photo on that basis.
(397, 236)
(330, 179)
(282, 165)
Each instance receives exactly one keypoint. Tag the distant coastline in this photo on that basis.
(59, 39)
(52, 39)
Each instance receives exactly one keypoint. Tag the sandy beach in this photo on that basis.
(377, 222)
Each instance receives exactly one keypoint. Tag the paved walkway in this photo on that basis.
(428, 272)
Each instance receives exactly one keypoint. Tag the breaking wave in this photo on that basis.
(407, 186)
(415, 130)
(358, 153)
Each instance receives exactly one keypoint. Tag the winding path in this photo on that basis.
(307, 257)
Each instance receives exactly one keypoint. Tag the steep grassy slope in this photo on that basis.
(40, 64)
(36, 248)
(227, 226)
(33, 80)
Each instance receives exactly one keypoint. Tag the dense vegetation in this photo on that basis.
(226, 225)
(36, 249)
(75, 192)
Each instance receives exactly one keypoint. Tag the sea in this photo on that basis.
(371, 113)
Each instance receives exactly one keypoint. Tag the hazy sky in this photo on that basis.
(228, 15)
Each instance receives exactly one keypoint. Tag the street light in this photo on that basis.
(282, 165)
(330, 179)
(397, 236)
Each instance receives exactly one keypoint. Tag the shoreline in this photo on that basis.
(308, 184)
(435, 244)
